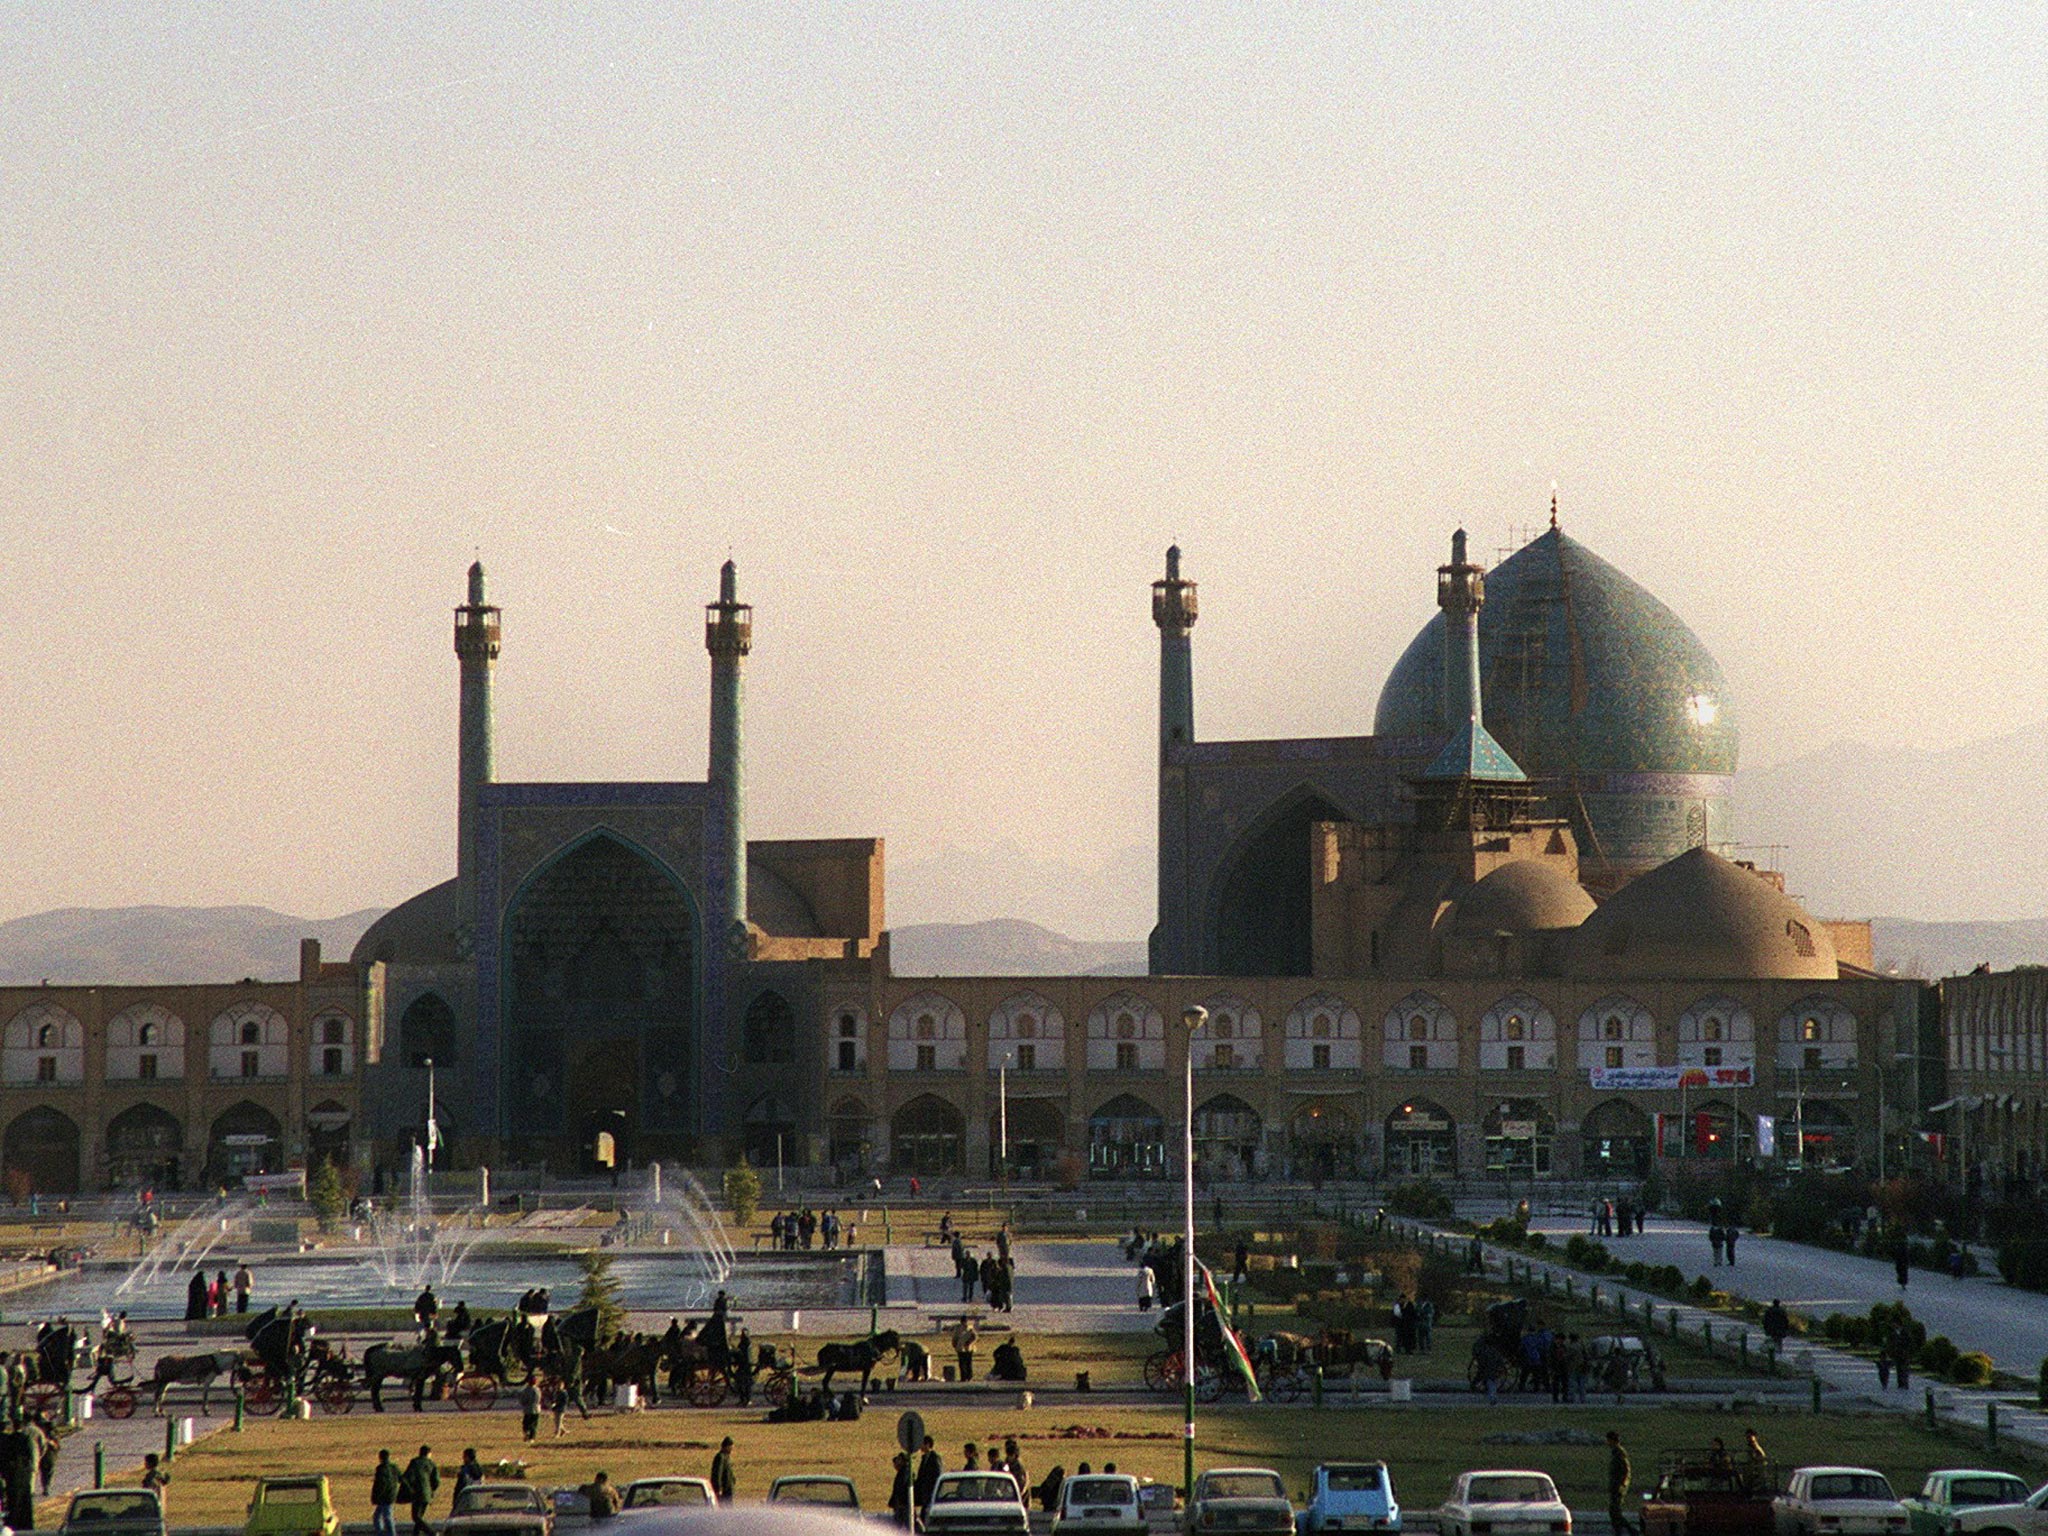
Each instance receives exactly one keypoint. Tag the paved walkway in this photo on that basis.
(1848, 1378)
(1078, 1287)
(1985, 1313)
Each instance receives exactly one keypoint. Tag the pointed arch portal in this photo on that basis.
(602, 960)
(1264, 895)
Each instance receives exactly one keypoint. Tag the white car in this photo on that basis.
(1503, 1503)
(1100, 1501)
(668, 1493)
(976, 1501)
(1249, 1499)
(2027, 1519)
(1841, 1501)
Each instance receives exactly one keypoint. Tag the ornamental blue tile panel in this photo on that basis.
(1473, 754)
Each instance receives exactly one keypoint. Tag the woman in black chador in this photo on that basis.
(195, 1297)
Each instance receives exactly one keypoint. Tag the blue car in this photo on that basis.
(1350, 1496)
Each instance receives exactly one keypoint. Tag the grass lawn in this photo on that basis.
(1425, 1446)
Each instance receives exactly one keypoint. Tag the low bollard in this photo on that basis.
(170, 1441)
(1991, 1425)
(1742, 1346)
(1316, 1387)
(1649, 1308)
(1569, 1287)
(241, 1408)
(1707, 1333)
(1930, 1407)
(99, 1463)
(1674, 1322)
(1593, 1296)
(1816, 1394)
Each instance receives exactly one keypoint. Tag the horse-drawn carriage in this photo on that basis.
(62, 1349)
(1287, 1363)
(1164, 1371)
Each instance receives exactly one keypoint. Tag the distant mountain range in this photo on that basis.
(168, 945)
(1007, 947)
(1857, 829)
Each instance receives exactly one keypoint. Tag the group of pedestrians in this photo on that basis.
(209, 1298)
(793, 1230)
(1616, 1218)
(910, 1491)
(994, 1274)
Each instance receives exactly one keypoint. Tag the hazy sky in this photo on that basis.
(943, 319)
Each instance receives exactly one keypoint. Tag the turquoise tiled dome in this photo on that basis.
(1583, 673)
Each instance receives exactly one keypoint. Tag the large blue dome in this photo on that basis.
(1588, 679)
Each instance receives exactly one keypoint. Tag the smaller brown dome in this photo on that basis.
(1527, 896)
(1699, 917)
(418, 931)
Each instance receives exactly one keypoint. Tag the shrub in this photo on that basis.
(326, 1195)
(601, 1289)
(1537, 1240)
(1581, 1252)
(1972, 1370)
(1937, 1357)
(742, 1193)
(1702, 1288)
(1420, 1198)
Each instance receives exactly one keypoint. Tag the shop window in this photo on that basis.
(145, 1069)
(1614, 1055)
(330, 1060)
(1126, 1056)
(1517, 1057)
(1418, 1056)
(46, 1067)
(927, 1058)
(1319, 1058)
(250, 1059)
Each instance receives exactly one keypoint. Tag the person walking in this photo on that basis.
(1619, 1474)
(1148, 1288)
(1728, 1236)
(899, 1492)
(964, 1338)
(529, 1410)
(420, 1481)
(158, 1481)
(723, 1483)
(1902, 1261)
(929, 1466)
(1884, 1368)
(1715, 1240)
(245, 1282)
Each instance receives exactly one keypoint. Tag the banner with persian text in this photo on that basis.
(1669, 1079)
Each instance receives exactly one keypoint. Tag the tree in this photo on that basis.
(326, 1195)
(601, 1289)
(742, 1193)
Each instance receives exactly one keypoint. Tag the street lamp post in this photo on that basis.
(1194, 1017)
(1003, 1128)
(432, 1136)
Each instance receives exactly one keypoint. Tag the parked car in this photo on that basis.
(1240, 1499)
(976, 1501)
(1350, 1496)
(291, 1506)
(500, 1509)
(1102, 1501)
(114, 1512)
(1944, 1496)
(1711, 1493)
(1503, 1503)
(811, 1488)
(1937, 1509)
(668, 1493)
(1842, 1501)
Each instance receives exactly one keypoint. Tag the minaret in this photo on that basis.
(1461, 593)
(1173, 610)
(728, 636)
(476, 646)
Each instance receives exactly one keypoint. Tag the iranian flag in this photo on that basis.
(1232, 1344)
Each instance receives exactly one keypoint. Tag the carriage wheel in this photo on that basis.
(335, 1395)
(44, 1396)
(776, 1389)
(475, 1392)
(706, 1390)
(118, 1402)
(1162, 1370)
(259, 1393)
(1283, 1386)
(1208, 1383)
